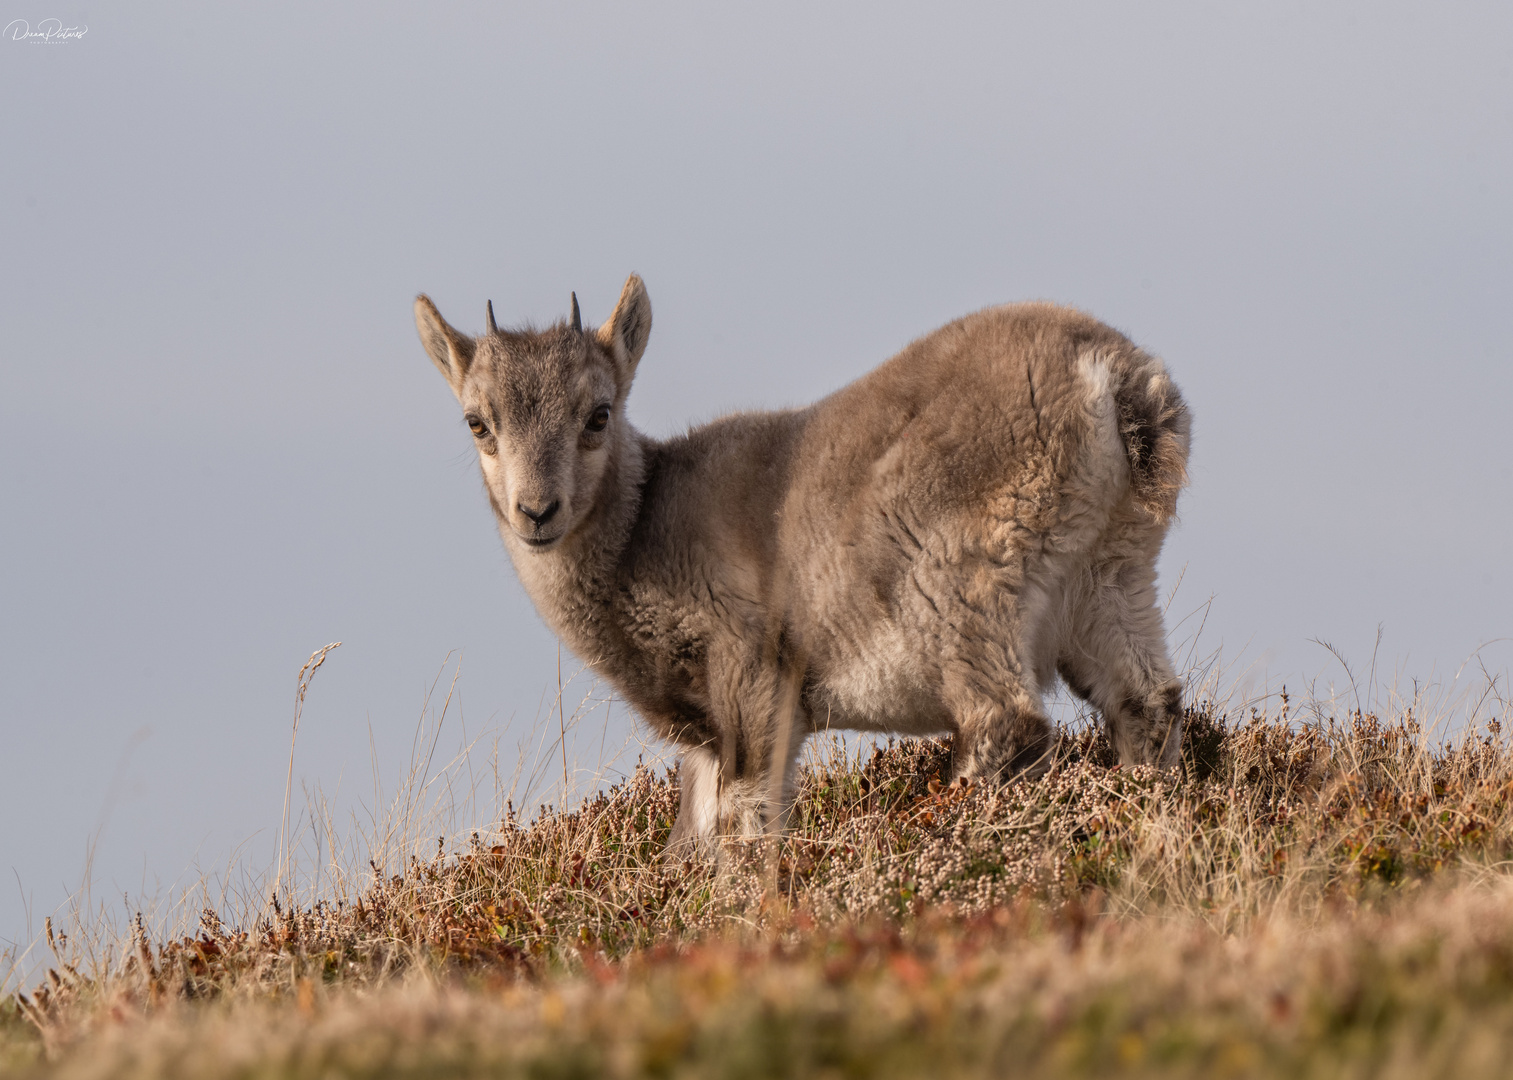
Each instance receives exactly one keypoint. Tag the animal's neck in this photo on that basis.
(575, 585)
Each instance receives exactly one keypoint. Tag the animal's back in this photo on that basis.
(943, 494)
(990, 399)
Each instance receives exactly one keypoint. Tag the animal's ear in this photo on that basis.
(450, 351)
(625, 332)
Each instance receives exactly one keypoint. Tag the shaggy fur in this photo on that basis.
(923, 551)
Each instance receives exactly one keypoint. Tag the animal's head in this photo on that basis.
(546, 408)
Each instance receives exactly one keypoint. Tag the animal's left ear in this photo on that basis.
(625, 332)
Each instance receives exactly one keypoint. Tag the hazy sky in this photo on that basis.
(221, 445)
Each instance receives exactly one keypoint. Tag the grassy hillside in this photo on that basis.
(1328, 897)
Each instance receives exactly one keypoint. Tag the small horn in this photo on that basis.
(577, 322)
(492, 328)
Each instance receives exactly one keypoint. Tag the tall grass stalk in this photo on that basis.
(306, 675)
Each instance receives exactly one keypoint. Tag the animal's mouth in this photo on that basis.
(539, 542)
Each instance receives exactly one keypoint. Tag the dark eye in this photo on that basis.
(477, 426)
(598, 420)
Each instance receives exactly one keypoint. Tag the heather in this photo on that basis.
(1316, 890)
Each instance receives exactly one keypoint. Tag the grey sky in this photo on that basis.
(221, 445)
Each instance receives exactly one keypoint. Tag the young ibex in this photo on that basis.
(923, 551)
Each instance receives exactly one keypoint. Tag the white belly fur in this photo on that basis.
(883, 686)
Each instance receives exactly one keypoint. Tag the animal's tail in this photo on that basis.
(1156, 428)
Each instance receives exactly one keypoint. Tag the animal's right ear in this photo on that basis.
(450, 351)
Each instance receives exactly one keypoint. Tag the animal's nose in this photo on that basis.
(542, 516)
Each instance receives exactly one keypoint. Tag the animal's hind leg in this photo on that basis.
(1115, 657)
(986, 622)
(997, 743)
(1001, 727)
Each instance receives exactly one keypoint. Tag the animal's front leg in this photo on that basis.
(744, 771)
(756, 801)
(699, 806)
(762, 727)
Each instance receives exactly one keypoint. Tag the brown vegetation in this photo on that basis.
(1322, 897)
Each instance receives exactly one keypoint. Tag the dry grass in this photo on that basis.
(1321, 894)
